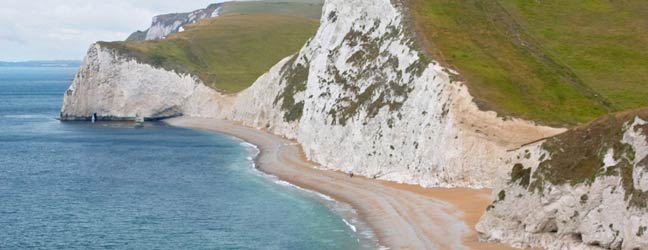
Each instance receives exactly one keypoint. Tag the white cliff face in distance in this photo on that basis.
(120, 88)
(164, 25)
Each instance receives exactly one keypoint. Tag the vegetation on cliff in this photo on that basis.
(231, 51)
(578, 156)
(295, 76)
(557, 62)
(228, 53)
(311, 9)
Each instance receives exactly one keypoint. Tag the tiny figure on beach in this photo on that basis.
(94, 117)
(350, 174)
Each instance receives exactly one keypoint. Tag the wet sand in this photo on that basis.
(402, 216)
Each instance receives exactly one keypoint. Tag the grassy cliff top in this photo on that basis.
(229, 52)
(556, 62)
(311, 9)
(578, 156)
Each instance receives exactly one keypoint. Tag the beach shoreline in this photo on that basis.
(401, 216)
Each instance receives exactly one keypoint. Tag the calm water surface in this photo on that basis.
(113, 186)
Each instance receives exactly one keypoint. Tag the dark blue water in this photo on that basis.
(113, 186)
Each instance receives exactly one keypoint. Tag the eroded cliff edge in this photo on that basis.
(359, 96)
(583, 189)
(116, 87)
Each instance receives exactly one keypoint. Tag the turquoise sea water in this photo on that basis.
(112, 186)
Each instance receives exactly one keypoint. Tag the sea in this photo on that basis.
(109, 185)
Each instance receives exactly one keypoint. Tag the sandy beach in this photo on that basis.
(402, 216)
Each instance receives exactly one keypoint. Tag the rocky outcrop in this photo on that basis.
(120, 88)
(359, 97)
(164, 25)
(584, 189)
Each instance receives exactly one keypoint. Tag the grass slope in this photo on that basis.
(311, 9)
(229, 52)
(556, 62)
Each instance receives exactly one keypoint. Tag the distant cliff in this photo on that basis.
(163, 25)
(119, 88)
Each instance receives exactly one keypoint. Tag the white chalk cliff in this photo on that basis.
(164, 25)
(584, 189)
(372, 105)
(119, 88)
(360, 96)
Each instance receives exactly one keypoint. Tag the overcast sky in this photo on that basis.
(64, 29)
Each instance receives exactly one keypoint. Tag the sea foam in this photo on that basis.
(344, 210)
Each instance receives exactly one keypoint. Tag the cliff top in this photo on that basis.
(311, 9)
(580, 155)
(556, 62)
(229, 52)
(173, 22)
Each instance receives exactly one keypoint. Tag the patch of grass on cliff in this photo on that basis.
(577, 156)
(295, 77)
(229, 52)
(556, 62)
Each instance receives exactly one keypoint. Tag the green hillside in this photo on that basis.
(553, 61)
(229, 52)
(311, 9)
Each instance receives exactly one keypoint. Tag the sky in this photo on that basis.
(64, 29)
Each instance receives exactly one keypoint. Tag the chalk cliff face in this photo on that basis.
(359, 96)
(120, 88)
(164, 25)
(584, 189)
(373, 104)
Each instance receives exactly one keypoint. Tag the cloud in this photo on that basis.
(64, 29)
